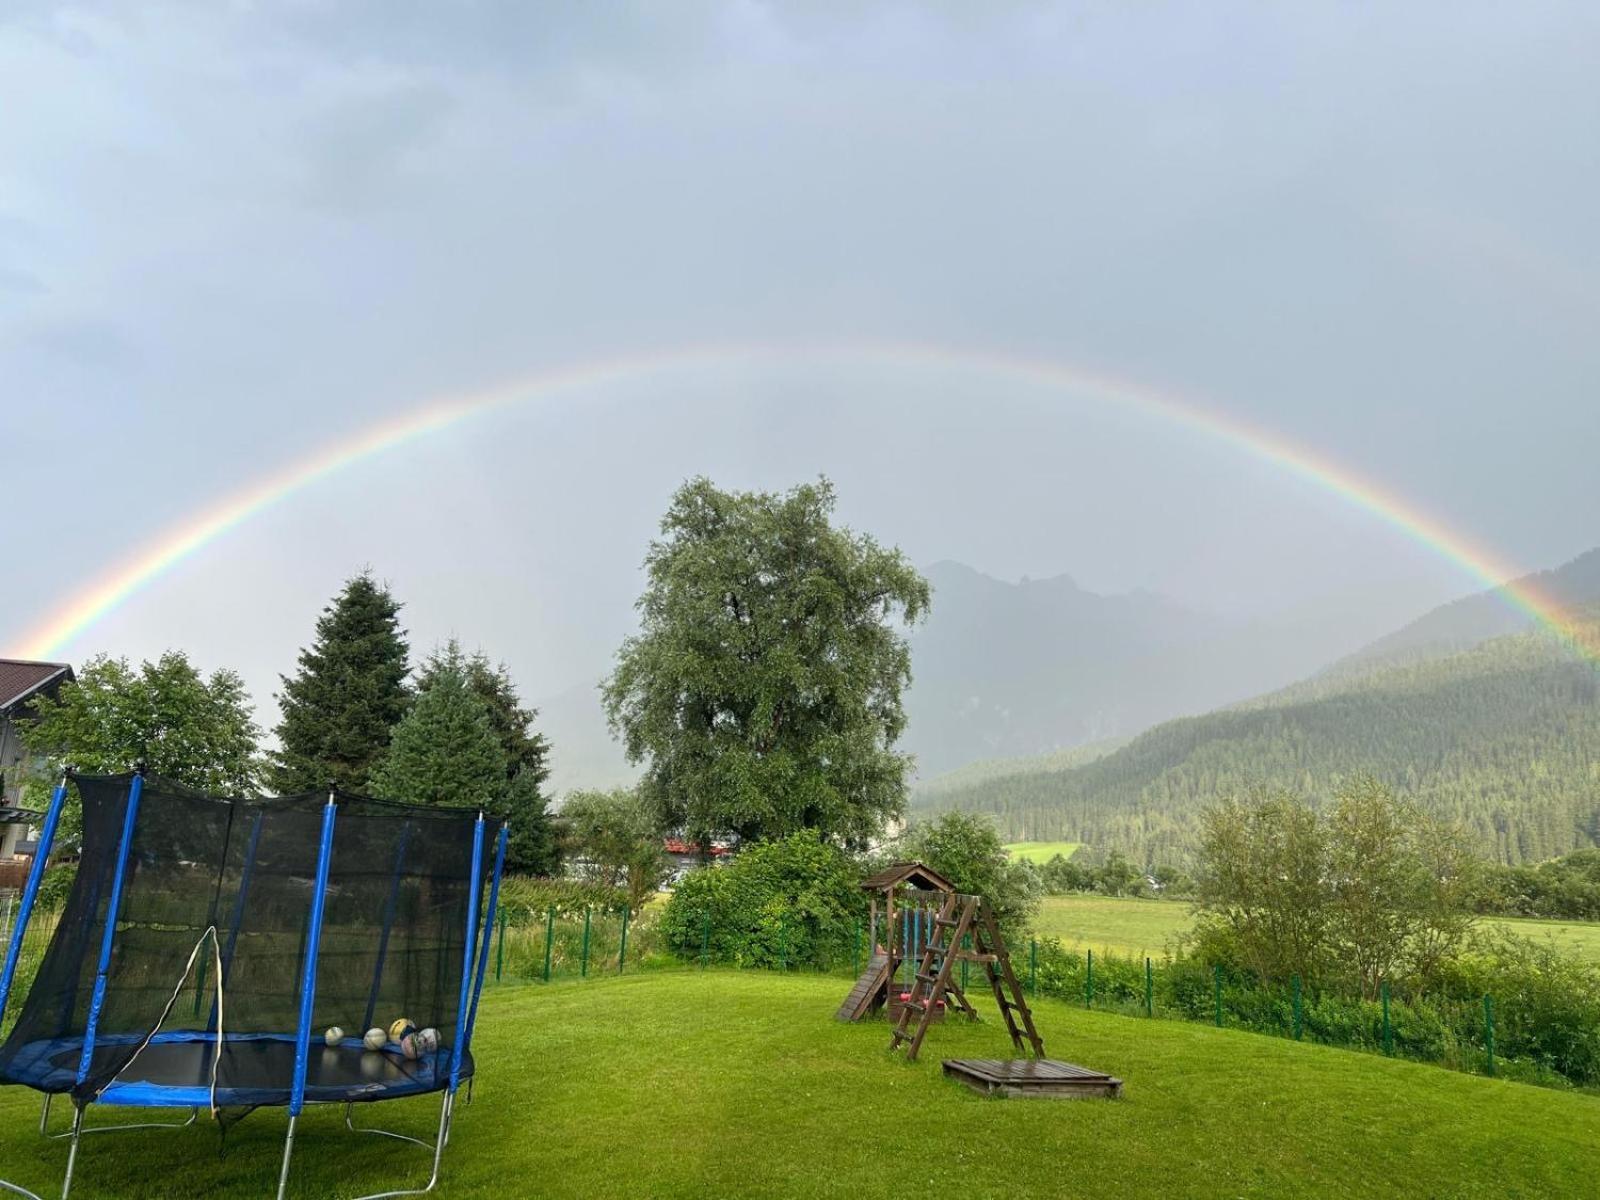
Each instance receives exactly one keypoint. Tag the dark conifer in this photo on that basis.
(338, 711)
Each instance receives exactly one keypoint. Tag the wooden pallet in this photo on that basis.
(1031, 1077)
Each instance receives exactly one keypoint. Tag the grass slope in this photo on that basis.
(1138, 927)
(1041, 852)
(742, 1084)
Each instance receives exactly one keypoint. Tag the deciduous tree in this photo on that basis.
(763, 690)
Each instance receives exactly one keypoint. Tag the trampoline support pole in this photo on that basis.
(488, 929)
(30, 890)
(44, 1113)
(108, 938)
(468, 958)
(288, 1152)
(72, 1152)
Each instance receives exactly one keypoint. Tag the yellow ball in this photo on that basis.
(399, 1029)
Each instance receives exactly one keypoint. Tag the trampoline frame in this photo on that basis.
(474, 965)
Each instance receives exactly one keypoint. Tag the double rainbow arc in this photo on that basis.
(71, 618)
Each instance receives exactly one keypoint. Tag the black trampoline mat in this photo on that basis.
(256, 1063)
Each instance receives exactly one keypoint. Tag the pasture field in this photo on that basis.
(1137, 927)
(741, 1084)
(1042, 852)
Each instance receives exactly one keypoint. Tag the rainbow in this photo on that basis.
(68, 620)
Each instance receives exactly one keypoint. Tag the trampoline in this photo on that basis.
(230, 954)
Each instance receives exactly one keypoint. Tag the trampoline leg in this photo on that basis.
(72, 1153)
(288, 1150)
(438, 1153)
(44, 1113)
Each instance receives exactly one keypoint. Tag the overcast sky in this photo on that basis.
(232, 234)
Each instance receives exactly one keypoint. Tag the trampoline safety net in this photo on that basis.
(392, 945)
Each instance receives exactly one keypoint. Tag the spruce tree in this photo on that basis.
(533, 846)
(340, 708)
(444, 751)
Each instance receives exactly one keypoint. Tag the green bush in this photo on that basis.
(794, 902)
(55, 885)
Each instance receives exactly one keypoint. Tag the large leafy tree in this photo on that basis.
(349, 693)
(614, 837)
(966, 850)
(191, 729)
(533, 846)
(764, 688)
(444, 751)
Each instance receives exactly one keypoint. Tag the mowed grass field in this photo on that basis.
(1138, 927)
(690, 1084)
(1042, 852)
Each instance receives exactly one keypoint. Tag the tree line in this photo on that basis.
(354, 716)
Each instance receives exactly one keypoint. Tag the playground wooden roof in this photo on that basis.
(918, 875)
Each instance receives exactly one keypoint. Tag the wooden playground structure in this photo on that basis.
(925, 929)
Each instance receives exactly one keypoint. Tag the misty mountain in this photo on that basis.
(1468, 622)
(582, 752)
(1002, 669)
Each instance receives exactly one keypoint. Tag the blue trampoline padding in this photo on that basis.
(174, 1071)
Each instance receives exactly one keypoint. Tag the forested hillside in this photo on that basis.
(1504, 738)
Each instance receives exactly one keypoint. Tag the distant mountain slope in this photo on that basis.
(991, 770)
(1504, 737)
(1463, 624)
(1003, 669)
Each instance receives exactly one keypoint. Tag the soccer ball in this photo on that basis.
(427, 1041)
(334, 1036)
(375, 1039)
(399, 1029)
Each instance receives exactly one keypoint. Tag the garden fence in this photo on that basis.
(556, 943)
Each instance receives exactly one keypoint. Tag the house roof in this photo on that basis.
(918, 875)
(20, 678)
(674, 845)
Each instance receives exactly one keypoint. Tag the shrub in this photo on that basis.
(536, 894)
(797, 901)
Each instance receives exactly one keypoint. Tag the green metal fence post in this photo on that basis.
(1088, 979)
(1299, 1010)
(705, 939)
(622, 951)
(1216, 991)
(500, 950)
(1149, 990)
(549, 940)
(583, 966)
(1388, 1029)
(1488, 1033)
(1033, 965)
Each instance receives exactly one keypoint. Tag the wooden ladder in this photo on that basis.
(958, 917)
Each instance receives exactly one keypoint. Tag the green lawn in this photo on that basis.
(1042, 852)
(1139, 927)
(686, 1084)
